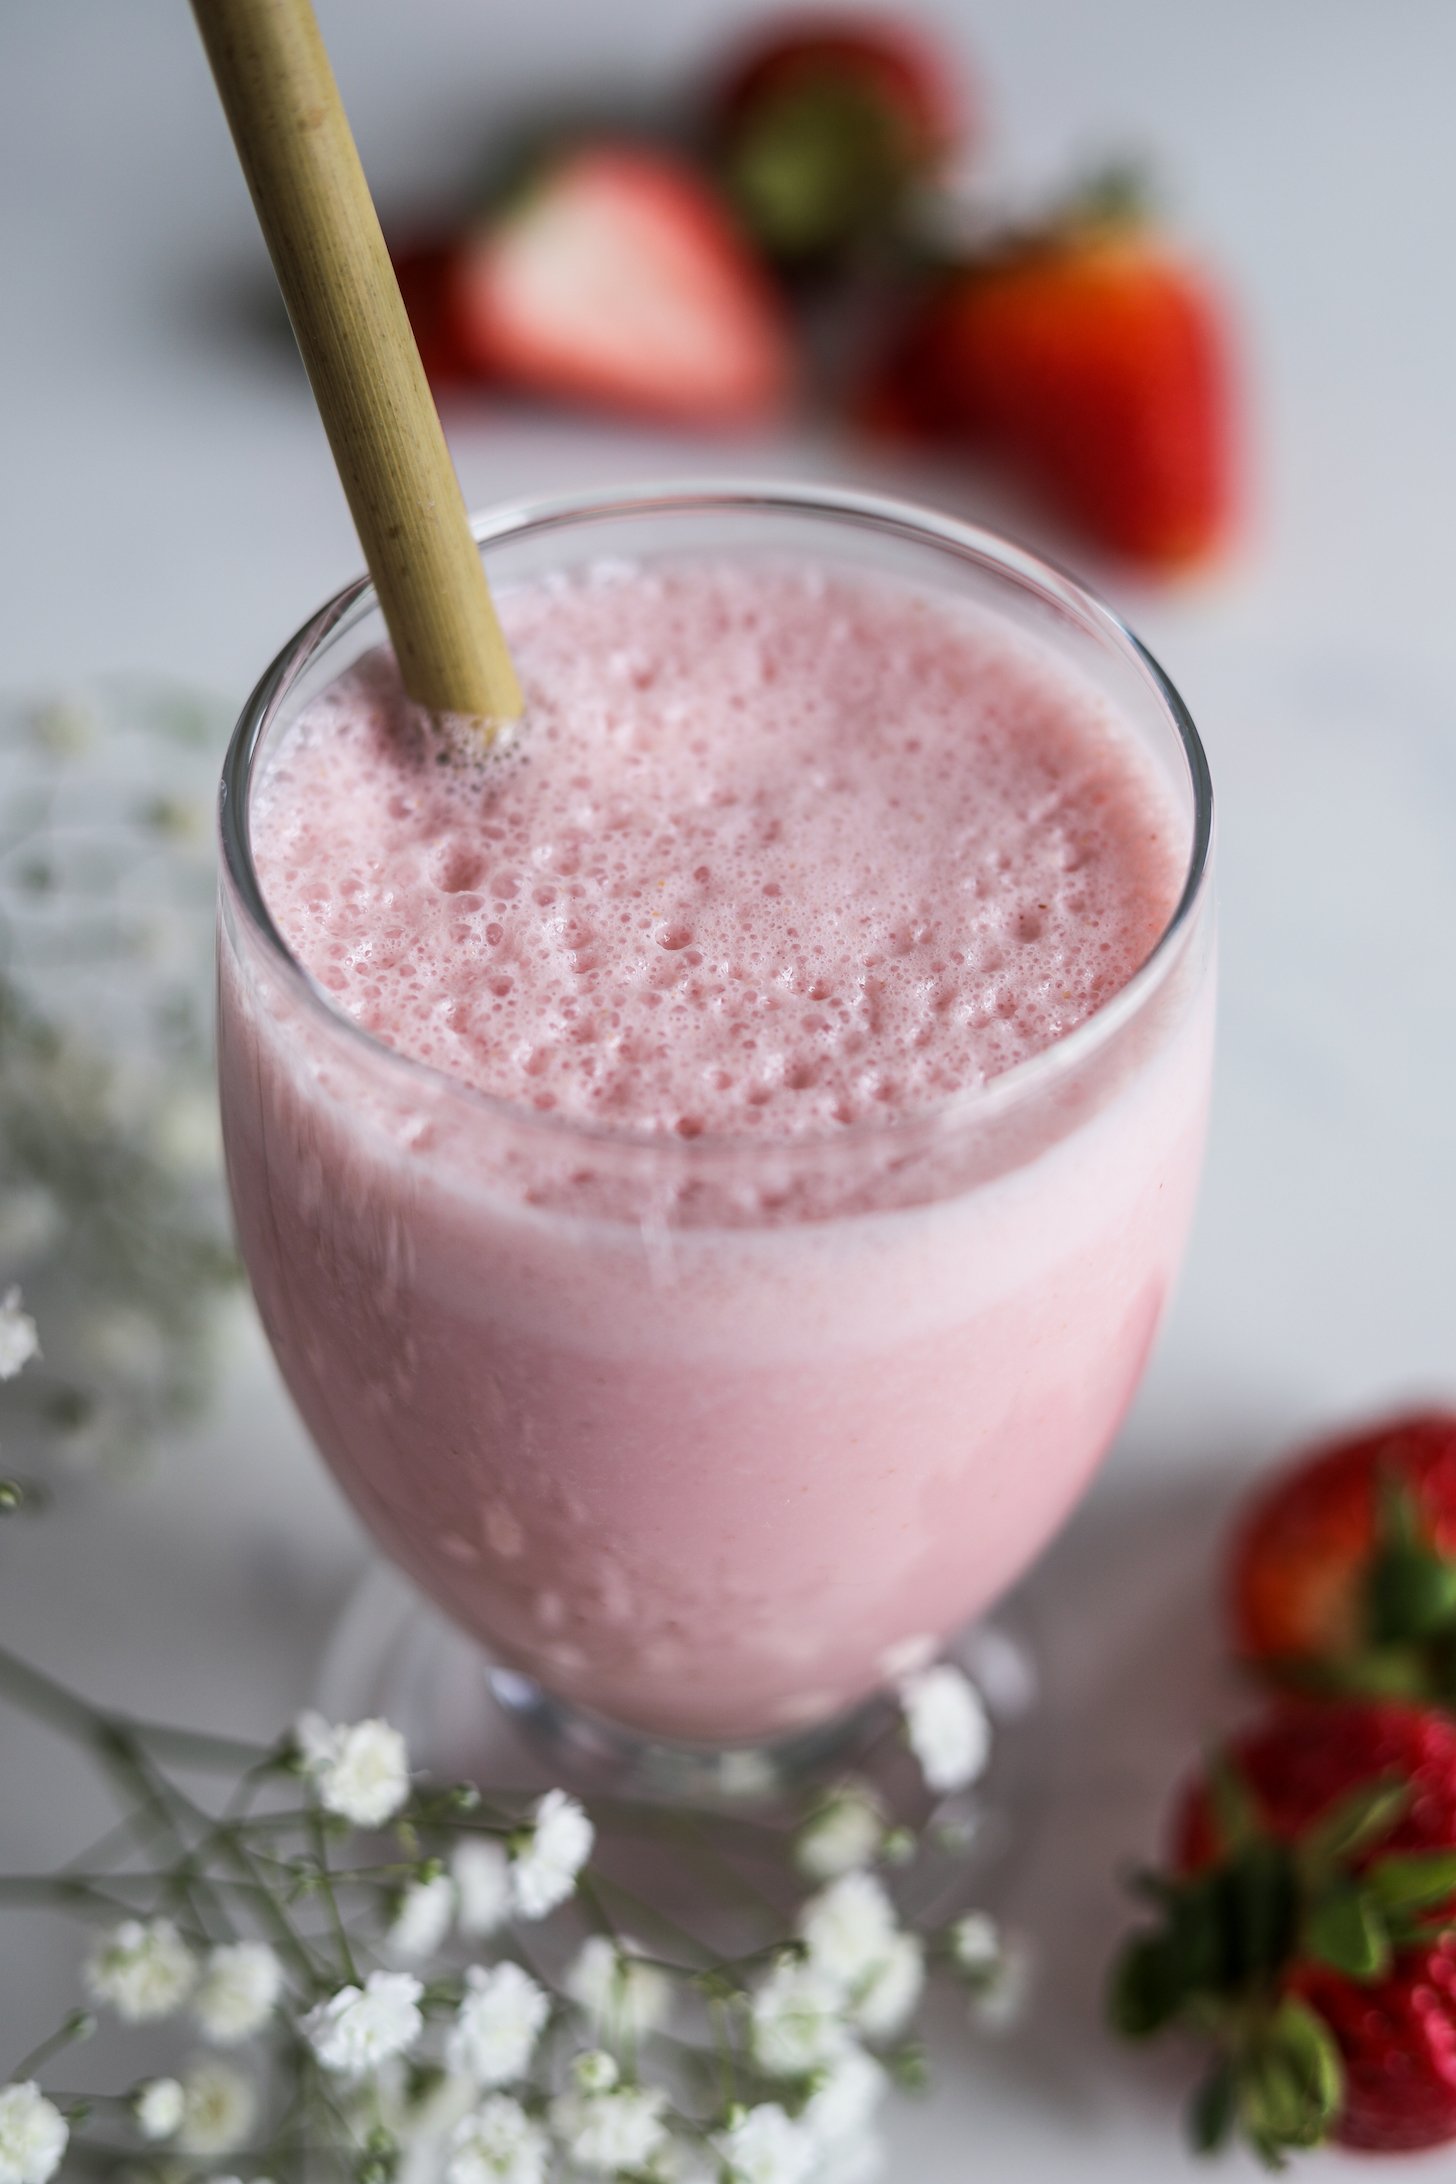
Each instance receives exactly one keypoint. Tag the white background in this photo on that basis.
(168, 505)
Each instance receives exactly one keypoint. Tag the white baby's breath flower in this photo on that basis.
(999, 1999)
(796, 2021)
(361, 1768)
(357, 2029)
(19, 1342)
(237, 1992)
(855, 1943)
(419, 2111)
(33, 2135)
(884, 2000)
(143, 1969)
(546, 1862)
(844, 2098)
(595, 2071)
(422, 1919)
(481, 1872)
(766, 2146)
(841, 1835)
(678, 2161)
(612, 2131)
(497, 2143)
(158, 2107)
(219, 2106)
(975, 1943)
(948, 1726)
(623, 2000)
(497, 2025)
(848, 1928)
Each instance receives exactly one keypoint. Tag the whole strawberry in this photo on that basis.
(824, 125)
(1090, 360)
(1307, 1929)
(1343, 1573)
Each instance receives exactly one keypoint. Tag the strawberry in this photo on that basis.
(825, 124)
(618, 278)
(424, 272)
(1092, 361)
(1308, 1929)
(1343, 1574)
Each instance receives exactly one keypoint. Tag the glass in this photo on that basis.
(704, 1439)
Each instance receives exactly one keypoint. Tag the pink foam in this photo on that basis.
(777, 851)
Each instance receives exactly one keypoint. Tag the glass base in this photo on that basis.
(467, 1717)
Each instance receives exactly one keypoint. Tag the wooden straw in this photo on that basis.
(314, 207)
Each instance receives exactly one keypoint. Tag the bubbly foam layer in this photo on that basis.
(777, 851)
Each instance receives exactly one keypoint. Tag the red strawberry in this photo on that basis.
(826, 122)
(1343, 1574)
(1308, 1928)
(424, 271)
(617, 278)
(1093, 362)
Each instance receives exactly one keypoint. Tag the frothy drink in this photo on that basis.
(703, 1324)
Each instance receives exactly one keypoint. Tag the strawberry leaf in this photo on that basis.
(1213, 2109)
(1344, 1928)
(1353, 1823)
(1310, 2051)
(1149, 1986)
(1410, 1594)
(1253, 1910)
(1414, 1880)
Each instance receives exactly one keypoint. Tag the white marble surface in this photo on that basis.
(169, 505)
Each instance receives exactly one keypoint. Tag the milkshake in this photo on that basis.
(711, 1169)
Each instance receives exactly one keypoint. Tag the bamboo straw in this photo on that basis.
(314, 207)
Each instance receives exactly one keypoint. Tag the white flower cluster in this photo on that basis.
(491, 2113)
(360, 1769)
(605, 2126)
(547, 1857)
(423, 1917)
(858, 1980)
(481, 1872)
(209, 2110)
(33, 2135)
(995, 1969)
(360, 2028)
(844, 1832)
(19, 1341)
(624, 2002)
(948, 1727)
(237, 1991)
(497, 2143)
(497, 2025)
(854, 1941)
(765, 2145)
(144, 1970)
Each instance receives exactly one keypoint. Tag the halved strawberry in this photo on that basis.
(1343, 1573)
(824, 122)
(1093, 362)
(617, 278)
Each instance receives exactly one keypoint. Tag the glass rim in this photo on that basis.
(911, 522)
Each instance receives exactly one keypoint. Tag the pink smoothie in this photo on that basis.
(704, 1325)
